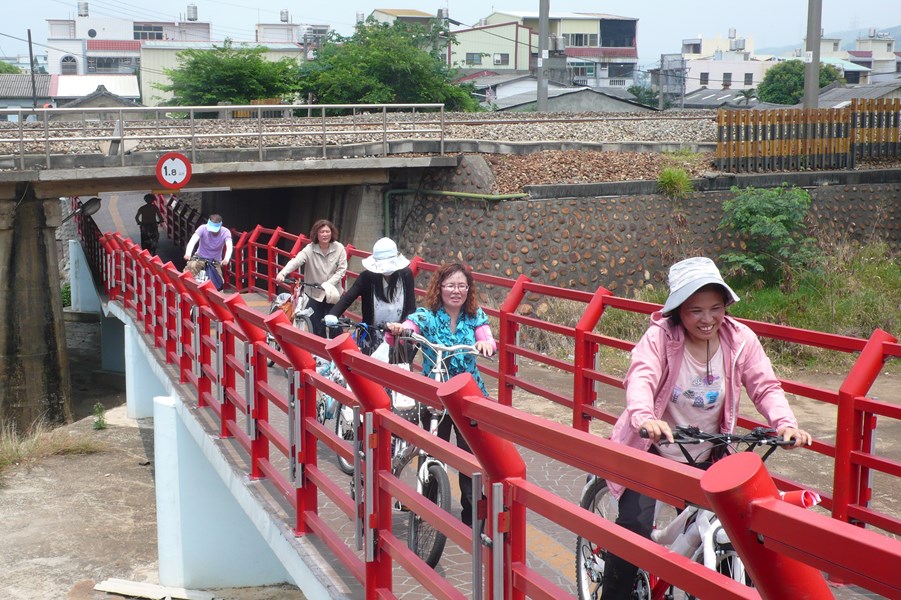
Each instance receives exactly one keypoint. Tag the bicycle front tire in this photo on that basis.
(344, 431)
(422, 538)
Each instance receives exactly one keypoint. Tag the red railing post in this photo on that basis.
(584, 357)
(733, 486)
(501, 462)
(306, 444)
(372, 397)
(849, 432)
(509, 332)
(238, 260)
(271, 262)
(259, 405)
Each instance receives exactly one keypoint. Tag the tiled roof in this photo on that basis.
(132, 45)
(19, 86)
(861, 53)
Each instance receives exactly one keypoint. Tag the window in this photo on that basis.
(749, 78)
(705, 78)
(473, 58)
(502, 59)
(583, 69)
(888, 47)
(835, 46)
(148, 32)
(620, 70)
(581, 40)
(68, 65)
(727, 79)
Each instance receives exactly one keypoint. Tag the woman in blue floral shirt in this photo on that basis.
(451, 315)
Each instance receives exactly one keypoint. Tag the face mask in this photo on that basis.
(388, 274)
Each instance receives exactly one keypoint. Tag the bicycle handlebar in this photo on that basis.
(292, 282)
(690, 434)
(419, 339)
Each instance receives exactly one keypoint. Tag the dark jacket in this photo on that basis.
(363, 288)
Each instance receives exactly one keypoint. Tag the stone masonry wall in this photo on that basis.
(621, 243)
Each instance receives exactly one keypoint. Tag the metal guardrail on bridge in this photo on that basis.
(222, 356)
(48, 137)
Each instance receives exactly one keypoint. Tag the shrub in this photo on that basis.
(67, 295)
(772, 224)
(674, 182)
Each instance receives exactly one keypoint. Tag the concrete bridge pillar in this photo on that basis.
(34, 366)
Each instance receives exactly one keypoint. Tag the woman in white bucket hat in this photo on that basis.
(688, 369)
(386, 290)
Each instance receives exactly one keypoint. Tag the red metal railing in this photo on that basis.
(221, 355)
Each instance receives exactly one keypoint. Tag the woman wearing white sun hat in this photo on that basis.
(689, 369)
(386, 290)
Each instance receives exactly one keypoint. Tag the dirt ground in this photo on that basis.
(71, 522)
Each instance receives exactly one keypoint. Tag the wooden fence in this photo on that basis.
(750, 141)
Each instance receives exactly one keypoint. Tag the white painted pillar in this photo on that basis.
(81, 283)
(204, 537)
(141, 381)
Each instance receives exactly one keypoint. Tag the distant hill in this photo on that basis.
(848, 38)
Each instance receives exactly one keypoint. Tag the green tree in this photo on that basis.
(644, 94)
(5, 67)
(228, 75)
(383, 63)
(747, 95)
(784, 83)
(772, 223)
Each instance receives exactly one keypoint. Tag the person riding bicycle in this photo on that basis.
(386, 289)
(149, 220)
(688, 369)
(211, 240)
(324, 261)
(451, 315)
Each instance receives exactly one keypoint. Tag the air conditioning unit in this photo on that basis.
(498, 60)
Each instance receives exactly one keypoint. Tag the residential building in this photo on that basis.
(715, 64)
(157, 56)
(877, 53)
(16, 91)
(501, 48)
(836, 96)
(87, 44)
(600, 50)
(405, 15)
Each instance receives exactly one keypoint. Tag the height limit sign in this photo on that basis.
(173, 170)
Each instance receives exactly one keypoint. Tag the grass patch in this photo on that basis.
(674, 182)
(41, 442)
(852, 290)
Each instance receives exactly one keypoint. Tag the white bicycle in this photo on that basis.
(695, 532)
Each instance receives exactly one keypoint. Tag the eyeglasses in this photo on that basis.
(450, 287)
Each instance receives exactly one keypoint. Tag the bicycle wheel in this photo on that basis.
(303, 323)
(423, 539)
(590, 559)
(344, 430)
(728, 563)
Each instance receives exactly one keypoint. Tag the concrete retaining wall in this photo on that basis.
(620, 241)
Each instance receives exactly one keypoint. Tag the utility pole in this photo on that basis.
(661, 83)
(544, 7)
(812, 68)
(34, 87)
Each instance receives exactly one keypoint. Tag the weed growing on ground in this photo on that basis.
(99, 416)
(42, 441)
(674, 182)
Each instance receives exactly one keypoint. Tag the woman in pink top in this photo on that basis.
(689, 369)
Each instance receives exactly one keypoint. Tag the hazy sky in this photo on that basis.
(661, 27)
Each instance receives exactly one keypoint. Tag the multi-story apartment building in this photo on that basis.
(87, 45)
(599, 49)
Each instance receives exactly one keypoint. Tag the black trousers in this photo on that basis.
(636, 513)
(320, 309)
(465, 481)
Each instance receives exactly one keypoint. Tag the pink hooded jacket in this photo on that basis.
(656, 360)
